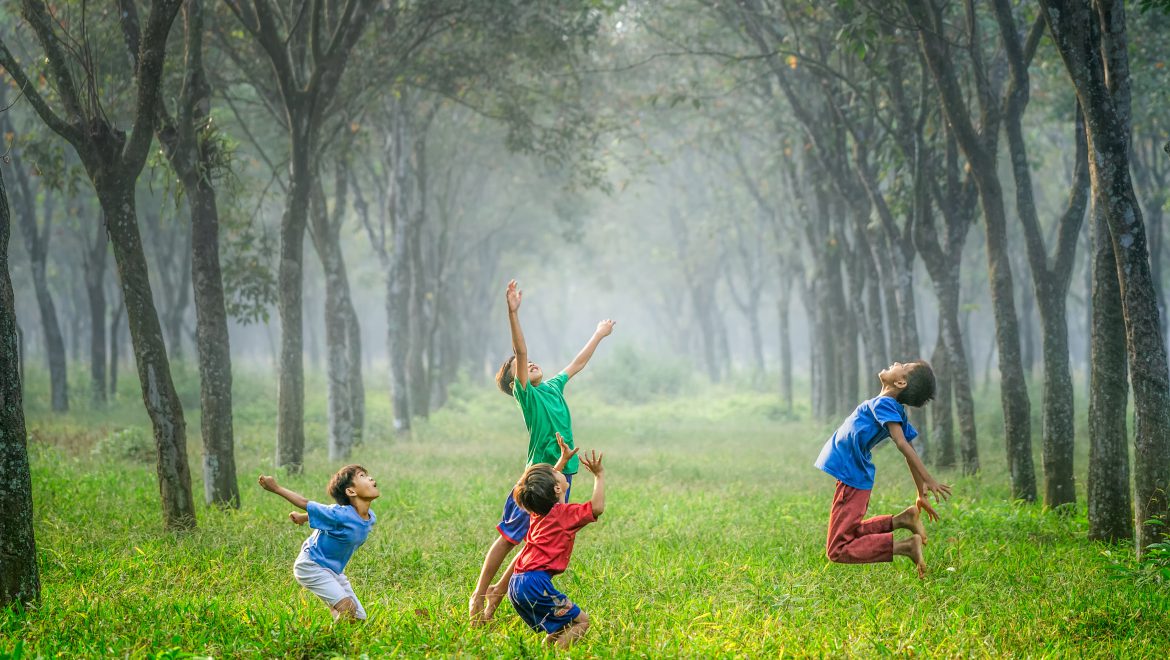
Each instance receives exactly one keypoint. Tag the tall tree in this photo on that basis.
(113, 161)
(197, 154)
(308, 59)
(36, 236)
(1092, 40)
(19, 580)
(979, 147)
(94, 259)
(1051, 276)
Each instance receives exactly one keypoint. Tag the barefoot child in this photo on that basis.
(846, 456)
(545, 414)
(544, 492)
(338, 530)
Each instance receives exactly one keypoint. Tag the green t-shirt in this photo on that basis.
(546, 414)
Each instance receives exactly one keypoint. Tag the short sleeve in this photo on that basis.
(558, 382)
(522, 393)
(577, 516)
(887, 410)
(323, 517)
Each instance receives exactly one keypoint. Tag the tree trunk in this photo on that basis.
(420, 388)
(95, 276)
(154, 370)
(398, 271)
(1094, 49)
(290, 417)
(19, 581)
(36, 241)
(782, 305)
(115, 343)
(943, 437)
(1109, 504)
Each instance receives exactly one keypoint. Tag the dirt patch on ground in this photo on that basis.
(72, 440)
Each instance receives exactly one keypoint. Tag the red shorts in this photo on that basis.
(853, 540)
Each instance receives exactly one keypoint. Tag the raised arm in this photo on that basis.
(296, 499)
(592, 462)
(566, 454)
(922, 479)
(519, 348)
(603, 330)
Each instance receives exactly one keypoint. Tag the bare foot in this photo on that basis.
(911, 519)
(493, 600)
(475, 609)
(915, 554)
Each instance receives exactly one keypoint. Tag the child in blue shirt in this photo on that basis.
(846, 456)
(338, 530)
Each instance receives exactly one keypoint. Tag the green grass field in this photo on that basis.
(712, 544)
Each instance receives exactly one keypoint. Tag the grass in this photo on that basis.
(712, 545)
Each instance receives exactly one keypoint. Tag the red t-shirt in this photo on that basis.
(550, 538)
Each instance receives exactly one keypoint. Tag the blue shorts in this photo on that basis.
(514, 521)
(539, 603)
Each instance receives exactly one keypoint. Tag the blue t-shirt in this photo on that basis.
(338, 531)
(846, 455)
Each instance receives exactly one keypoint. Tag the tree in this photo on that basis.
(198, 154)
(113, 161)
(978, 145)
(19, 580)
(1092, 40)
(36, 236)
(307, 64)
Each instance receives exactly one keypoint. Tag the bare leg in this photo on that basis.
(911, 519)
(496, 592)
(570, 633)
(496, 555)
(912, 548)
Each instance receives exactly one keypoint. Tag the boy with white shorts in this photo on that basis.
(338, 530)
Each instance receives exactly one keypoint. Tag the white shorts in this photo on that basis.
(328, 586)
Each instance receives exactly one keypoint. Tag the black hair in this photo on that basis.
(342, 480)
(506, 375)
(919, 384)
(536, 490)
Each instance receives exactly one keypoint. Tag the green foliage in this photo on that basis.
(133, 444)
(247, 250)
(1153, 569)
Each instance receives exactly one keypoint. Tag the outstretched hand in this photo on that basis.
(924, 507)
(298, 517)
(566, 453)
(605, 328)
(268, 483)
(940, 491)
(514, 294)
(592, 462)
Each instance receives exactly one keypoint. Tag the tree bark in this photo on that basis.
(115, 343)
(1093, 47)
(95, 269)
(1109, 505)
(19, 579)
(941, 415)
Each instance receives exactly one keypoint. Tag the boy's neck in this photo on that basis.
(890, 391)
(361, 506)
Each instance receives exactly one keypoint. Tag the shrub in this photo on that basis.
(132, 444)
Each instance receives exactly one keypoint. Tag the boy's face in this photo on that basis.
(562, 487)
(895, 375)
(535, 375)
(363, 487)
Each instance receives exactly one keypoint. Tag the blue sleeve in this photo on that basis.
(887, 411)
(323, 517)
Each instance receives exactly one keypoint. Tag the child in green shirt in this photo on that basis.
(545, 415)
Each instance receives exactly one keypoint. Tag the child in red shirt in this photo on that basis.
(542, 492)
